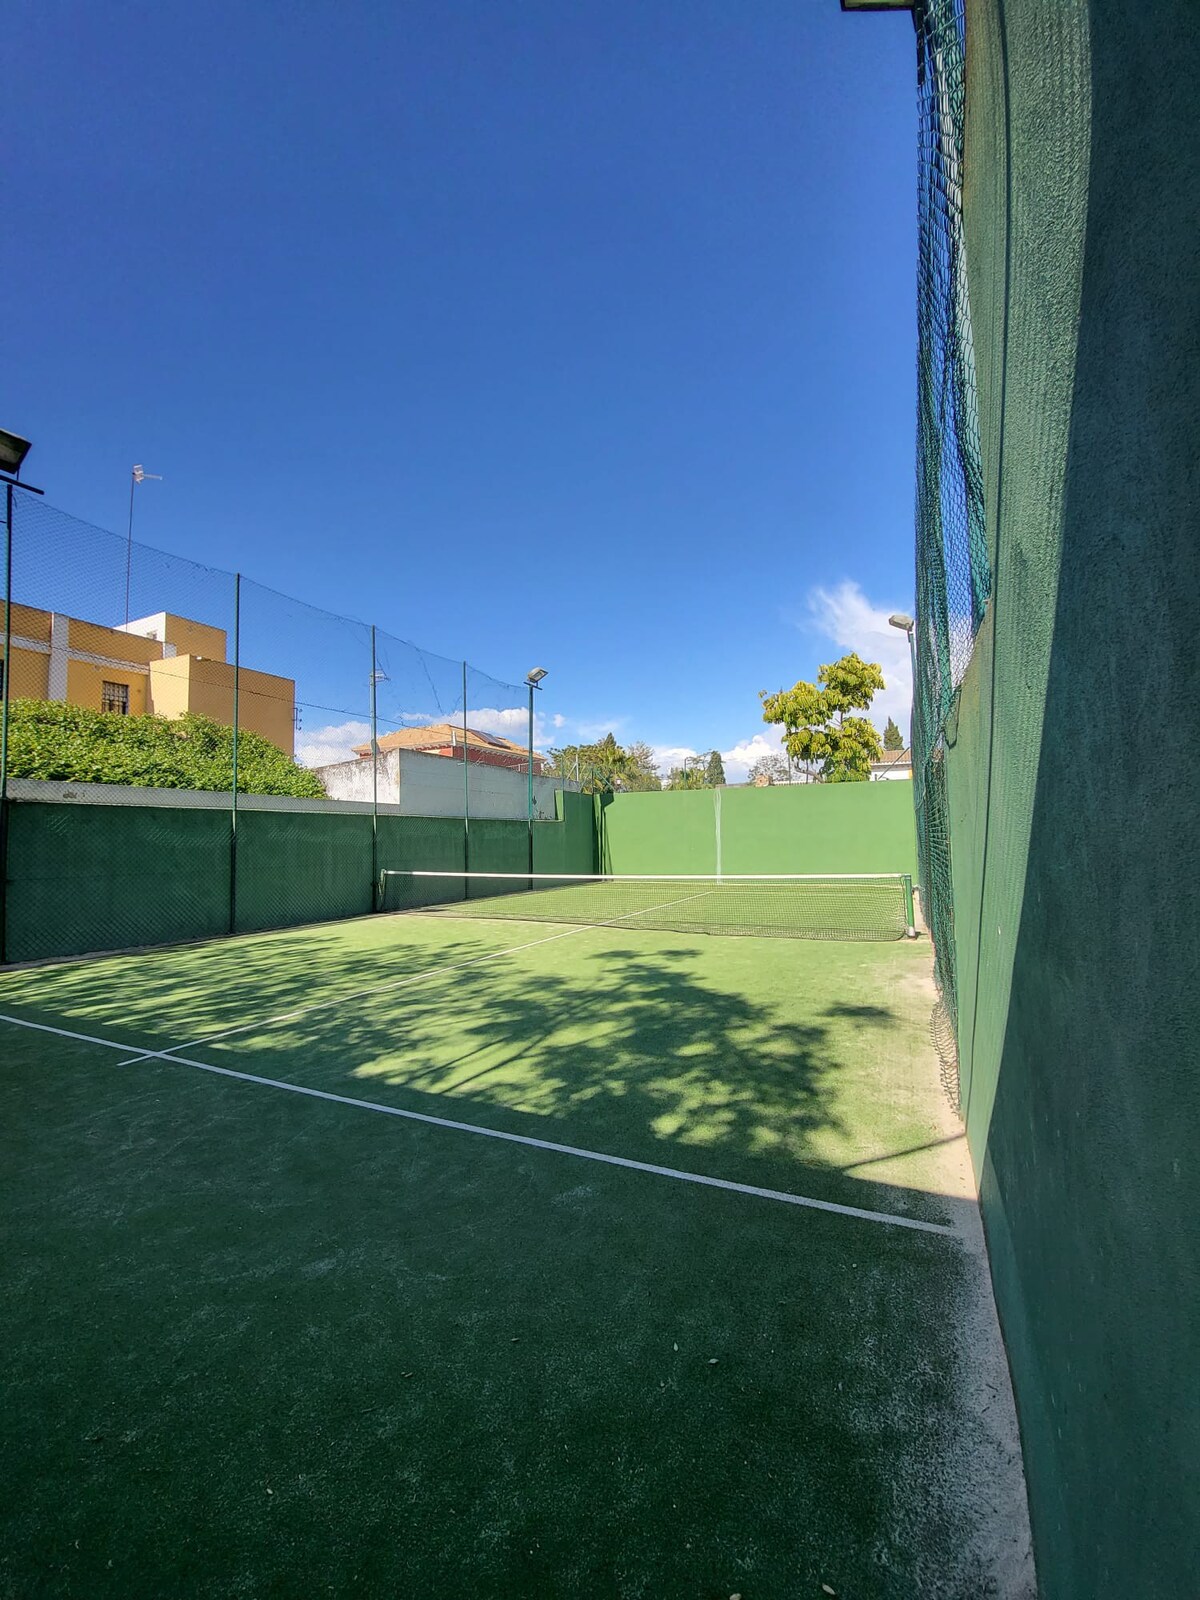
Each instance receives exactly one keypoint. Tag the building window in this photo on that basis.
(115, 697)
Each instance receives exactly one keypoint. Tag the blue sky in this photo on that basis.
(578, 335)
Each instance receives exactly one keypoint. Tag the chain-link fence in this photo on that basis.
(953, 576)
(184, 752)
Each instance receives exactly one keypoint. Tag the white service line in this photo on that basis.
(398, 983)
(780, 1195)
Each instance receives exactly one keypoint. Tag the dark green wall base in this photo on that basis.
(85, 877)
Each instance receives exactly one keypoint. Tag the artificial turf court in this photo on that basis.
(261, 1342)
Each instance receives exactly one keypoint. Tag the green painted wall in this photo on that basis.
(1076, 821)
(569, 843)
(842, 827)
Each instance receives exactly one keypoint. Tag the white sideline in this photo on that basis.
(780, 1195)
(402, 983)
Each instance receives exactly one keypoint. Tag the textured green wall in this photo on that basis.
(295, 867)
(1076, 833)
(843, 827)
(89, 877)
(97, 877)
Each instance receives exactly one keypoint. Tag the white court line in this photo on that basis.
(511, 1138)
(400, 983)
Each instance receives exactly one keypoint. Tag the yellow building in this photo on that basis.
(164, 664)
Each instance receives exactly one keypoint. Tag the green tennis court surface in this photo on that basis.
(267, 1342)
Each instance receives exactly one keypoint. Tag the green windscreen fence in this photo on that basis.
(953, 577)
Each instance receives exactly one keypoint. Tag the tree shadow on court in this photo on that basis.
(156, 997)
(634, 1052)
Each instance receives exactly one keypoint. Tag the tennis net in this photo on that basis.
(875, 906)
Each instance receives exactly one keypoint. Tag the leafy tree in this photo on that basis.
(893, 739)
(816, 727)
(714, 770)
(50, 739)
(643, 770)
(689, 776)
(773, 768)
(607, 765)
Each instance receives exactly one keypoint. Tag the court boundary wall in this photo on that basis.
(1075, 831)
(92, 871)
(801, 828)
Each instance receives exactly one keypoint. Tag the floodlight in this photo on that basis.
(13, 450)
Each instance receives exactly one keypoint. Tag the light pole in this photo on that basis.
(533, 681)
(13, 450)
(902, 620)
(138, 475)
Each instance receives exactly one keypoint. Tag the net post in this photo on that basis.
(375, 895)
(910, 930)
(233, 810)
(4, 692)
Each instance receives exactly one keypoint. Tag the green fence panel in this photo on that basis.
(86, 877)
(295, 868)
(422, 844)
(498, 845)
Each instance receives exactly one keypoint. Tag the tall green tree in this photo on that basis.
(690, 775)
(816, 724)
(608, 765)
(893, 739)
(643, 773)
(714, 770)
(50, 739)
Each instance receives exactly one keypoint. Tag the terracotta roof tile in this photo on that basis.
(434, 735)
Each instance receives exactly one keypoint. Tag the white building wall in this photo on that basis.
(432, 786)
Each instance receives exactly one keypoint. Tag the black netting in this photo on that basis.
(185, 753)
(953, 573)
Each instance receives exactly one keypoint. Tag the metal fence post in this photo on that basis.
(466, 784)
(375, 899)
(233, 814)
(8, 544)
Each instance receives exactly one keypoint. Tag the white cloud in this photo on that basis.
(853, 622)
(510, 722)
(667, 756)
(335, 742)
(737, 760)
